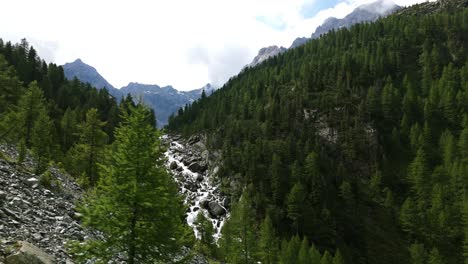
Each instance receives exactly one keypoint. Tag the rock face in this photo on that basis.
(266, 53)
(364, 13)
(27, 253)
(34, 213)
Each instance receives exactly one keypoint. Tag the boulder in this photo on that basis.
(27, 253)
(32, 182)
(216, 210)
(199, 177)
(192, 186)
(173, 165)
(196, 167)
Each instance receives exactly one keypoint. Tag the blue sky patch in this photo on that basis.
(277, 23)
(311, 8)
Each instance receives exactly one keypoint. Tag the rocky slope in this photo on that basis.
(37, 210)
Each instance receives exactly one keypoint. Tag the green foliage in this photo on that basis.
(42, 142)
(85, 155)
(135, 204)
(268, 242)
(357, 140)
(238, 242)
(206, 232)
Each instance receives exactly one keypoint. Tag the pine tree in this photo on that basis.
(338, 258)
(295, 203)
(304, 257)
(314, 255)
(10, 86)
(69, 127)
(30, 105)
(418, 254)
(42, 141)
(418, 175)
(290, 254)
(83, 158)
(268, 243)
(238, 238)
(135, 204)
(407, 216)
(206, 231)
(326, 258)
(435, 257)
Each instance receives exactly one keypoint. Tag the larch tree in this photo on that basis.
(84, 156)
(135, 203)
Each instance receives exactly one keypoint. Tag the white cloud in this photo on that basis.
(182, 43)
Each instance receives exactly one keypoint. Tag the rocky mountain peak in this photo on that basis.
(266, 53)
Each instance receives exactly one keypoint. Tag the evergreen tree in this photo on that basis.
(326, 258)
(83, 158)
(10, 86)
(304, 257)
(295, 203)
(69, 126)
(338, 258)
(135, 204)
(418, 254)
(435, 257)
(30, 106)
(314, 255)
(206, 232)
(268, 243)
(42, 141)
(238, 241)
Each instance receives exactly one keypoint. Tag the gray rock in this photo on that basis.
(173, 165)
(32, 181)
(196, 167)
(27, 253)
(216, 210)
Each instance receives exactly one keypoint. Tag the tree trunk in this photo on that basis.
(132, 242)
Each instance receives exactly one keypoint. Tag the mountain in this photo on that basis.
(88, 74)
(355, 143)
(364, 13)
(266, 53)
(164, 100)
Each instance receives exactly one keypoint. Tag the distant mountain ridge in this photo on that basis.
(364, 13)
(89, 74)
(164, 100)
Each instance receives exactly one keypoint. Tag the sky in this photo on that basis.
(183, 43)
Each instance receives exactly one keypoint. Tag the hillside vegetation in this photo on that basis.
(356, 142)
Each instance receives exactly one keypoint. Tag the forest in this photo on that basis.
(350, 149)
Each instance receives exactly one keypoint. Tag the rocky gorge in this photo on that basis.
(194, 168)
